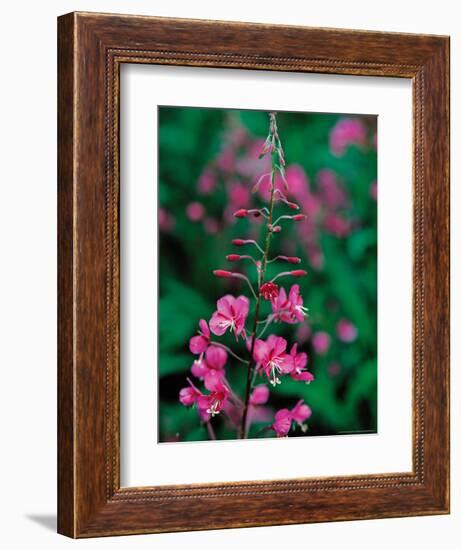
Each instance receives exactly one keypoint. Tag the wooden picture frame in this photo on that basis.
(91, 49)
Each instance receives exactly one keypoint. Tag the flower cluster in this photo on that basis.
(244, 318)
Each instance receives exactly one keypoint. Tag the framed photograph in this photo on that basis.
(253, 275)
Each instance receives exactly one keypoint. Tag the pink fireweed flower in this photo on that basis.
(347, 131)
(269, 291)
(282, 422)
(337, 225)
(321, 342)
(216, 399)
(300, 413)
(206, 182)
(211, 365)
(230, 315)
(270, 357)
(346, 331)
(166, 221)
(299, 371)
(259, 395)
(198, 344)
(188, 396)
(289, 309)
(195, 211)
(239, 194)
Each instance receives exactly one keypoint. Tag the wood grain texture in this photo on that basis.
(91, 49)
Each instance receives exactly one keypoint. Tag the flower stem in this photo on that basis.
(251, 366)
(223, 346)
(210, 430)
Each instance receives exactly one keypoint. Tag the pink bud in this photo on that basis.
(293, 260)
(233, 257)
(242, 213)
(276, 229)
(292, 205)
(298, 273)
(222, 273)
(299, 217)
(238, 242)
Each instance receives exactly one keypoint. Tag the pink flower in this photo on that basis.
(260, 395)
(282, 422)
(347, 331)
(212, 365)
(216, 399)
(198, 344)
(166, 221)
(332, 194)
(269, 291)
(239, 195)
(299, 413)
(231, 314)
(321, 342)
(289, 309)
(347, 131)
(195, 211)
(189, 395)
(337, 225)
(206, 182)
(270, 356)
(299, 361)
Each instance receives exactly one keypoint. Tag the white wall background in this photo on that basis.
(28, 271)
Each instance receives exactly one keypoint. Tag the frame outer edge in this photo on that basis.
(66, 292)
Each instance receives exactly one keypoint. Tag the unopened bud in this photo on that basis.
(222, 273)
(233, 257)
(298, 273)
(242, 213)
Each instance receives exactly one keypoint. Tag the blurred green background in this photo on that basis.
(208, 162)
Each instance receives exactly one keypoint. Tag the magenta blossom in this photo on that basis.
(198, 344)
(231, 314)
(347, 131)
(259, 395)
(195, 211)
(188, 396)
(282, 422)
(321, 342)
(300, 413)
(211, 365)
(299, 371)
(270, 356)
(289, 309)
(216, 399)
(269, 291)
(347, 332)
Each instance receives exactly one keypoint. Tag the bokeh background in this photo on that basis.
(208, 163)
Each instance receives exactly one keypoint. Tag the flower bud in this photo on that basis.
(293, 260)
(233, 257)
(292, 205)
(299, 217)
(242, 213)
(298, 273)
(222, 273)
(238, 242)
(276, 229)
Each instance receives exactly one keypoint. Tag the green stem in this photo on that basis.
(251, 366)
